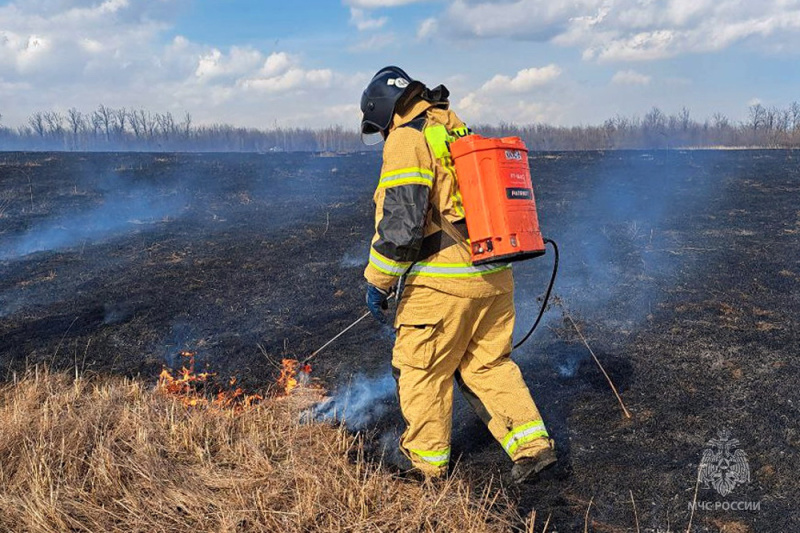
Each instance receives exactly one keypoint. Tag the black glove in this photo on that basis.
(378, 302)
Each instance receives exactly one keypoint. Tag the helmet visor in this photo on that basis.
(371, 139)
(371, 133)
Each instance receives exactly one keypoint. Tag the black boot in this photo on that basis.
(526, 467)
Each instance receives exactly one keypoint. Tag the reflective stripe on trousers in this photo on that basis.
(435, 458)
(522, 435)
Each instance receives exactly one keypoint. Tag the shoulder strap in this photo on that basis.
(448, 227)
(436, 216)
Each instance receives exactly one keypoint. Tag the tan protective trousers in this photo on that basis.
(439, 337)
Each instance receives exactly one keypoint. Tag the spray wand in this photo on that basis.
(345, 330)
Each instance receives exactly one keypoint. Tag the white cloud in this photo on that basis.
(282, 72)
(92, 46)
(276, 64)
(31, 50)
(472, 105)
(293, 78)
(630, 77)
(524, 81)
(477, 110)
(627, 30)
(361, 20)
(512, 99)
(528, 19)
(247, 68)
(56, 54)
(237, 62)
(41, 40)
(639, 47)
(427, 28)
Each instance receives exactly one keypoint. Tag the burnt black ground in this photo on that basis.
(681, 268)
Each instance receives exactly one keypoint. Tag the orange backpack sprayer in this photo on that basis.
(495, 183)
(496, 189)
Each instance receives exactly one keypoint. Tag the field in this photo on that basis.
(681, 268)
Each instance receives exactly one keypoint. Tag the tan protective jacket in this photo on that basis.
(418, 179)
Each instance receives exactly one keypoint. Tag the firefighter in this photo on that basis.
(454, 319)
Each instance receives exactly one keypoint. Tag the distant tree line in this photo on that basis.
(110, 129)
(764, 128)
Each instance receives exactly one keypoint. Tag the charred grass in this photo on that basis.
(681, 269)
(114, 454)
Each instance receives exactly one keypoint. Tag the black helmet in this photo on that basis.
(380, 98)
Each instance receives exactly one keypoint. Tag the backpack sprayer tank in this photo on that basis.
(495, 184)
(496, 189)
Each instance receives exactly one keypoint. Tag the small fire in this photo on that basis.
(292, 374)
(195, 390)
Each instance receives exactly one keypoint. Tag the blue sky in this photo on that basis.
(262, 63)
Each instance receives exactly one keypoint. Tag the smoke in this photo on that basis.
(356, 257)
(616, 218)
(182, 338)
(568, 366)
(120, 212)
(612, 220)
(353, 261)
(360, 404)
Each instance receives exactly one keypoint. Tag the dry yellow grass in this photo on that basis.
(108, 454)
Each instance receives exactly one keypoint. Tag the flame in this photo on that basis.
(292, 373)
(194, 389)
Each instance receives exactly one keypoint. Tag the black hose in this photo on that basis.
(546, 294)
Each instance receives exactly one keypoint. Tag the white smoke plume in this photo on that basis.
(359, 404)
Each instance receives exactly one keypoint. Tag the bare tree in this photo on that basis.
(795, 112)
(97, 124)
(654, 120)
(55, 123)
(757, 117)
(103, 117)
(142, 124)
(36, 122)
(133, 120)
(720, 121)
(684, 118)
(771, 118)
(186, 125)
(75, 119)
(783, 120)
(150, 124)
(166, 124)
(120, 119)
